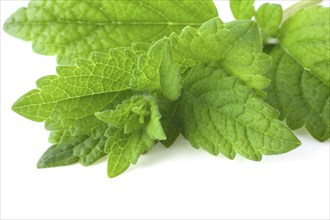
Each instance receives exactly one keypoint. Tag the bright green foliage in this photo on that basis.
(205, 81)
(305, 36)
(302, 98)
(269, 18)
(134, 126)
(221, 114)
(125, 149)
(83, 89)
(300, 76)
(72, 29)
(128, 99)
(242, 9)
(137, 113)
(300, 71)
(236, 46)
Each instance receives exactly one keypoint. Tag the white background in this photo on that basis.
(180, 182)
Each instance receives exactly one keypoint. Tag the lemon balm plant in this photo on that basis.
(131, 74)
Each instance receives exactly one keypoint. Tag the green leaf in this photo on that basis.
(129, 116)
(235, 46)
(245, 58)
(125, 149)
(204, 82)
(146, 74)
(154, 128)
(170, 75)
(301, 97)
(81, 90)
(305, 36)
(71, 29)
(134, 126)
(61, 136)
(170, 120)
(58, 155)
(139, 112)
(220, 113)
(242, 9)
(90, 151)
(83, 149)
(269, 18)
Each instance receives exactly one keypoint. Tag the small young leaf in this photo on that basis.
(154, 128)
(139, 112)
(269, 18)
(242, 9)
(135, 108)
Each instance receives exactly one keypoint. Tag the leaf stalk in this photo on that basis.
(298, 6)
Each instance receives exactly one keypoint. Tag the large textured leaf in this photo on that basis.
(72, 29)
(236, 46)
(81, 90)
(302, 98)
(221, 114)
(305, 36)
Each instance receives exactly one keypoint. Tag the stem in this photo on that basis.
(299, 5)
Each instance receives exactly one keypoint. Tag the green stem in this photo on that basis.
(298, 6)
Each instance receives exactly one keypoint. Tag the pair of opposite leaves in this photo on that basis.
(205, 83)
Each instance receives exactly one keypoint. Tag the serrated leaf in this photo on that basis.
(245, 59)
(125, 149)
(305, 36)
(58, 155)
(101, 25)
(83, 149)
(301, 97)
(81, 90)
(269, 18)
(130, 112)
(242, 9)
(139, 112)
(222, 114)
(235, 46)
(90, 150)
(60, 136)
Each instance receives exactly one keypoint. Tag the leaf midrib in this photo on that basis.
(158, 23)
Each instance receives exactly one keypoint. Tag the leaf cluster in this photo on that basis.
(135, 73)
